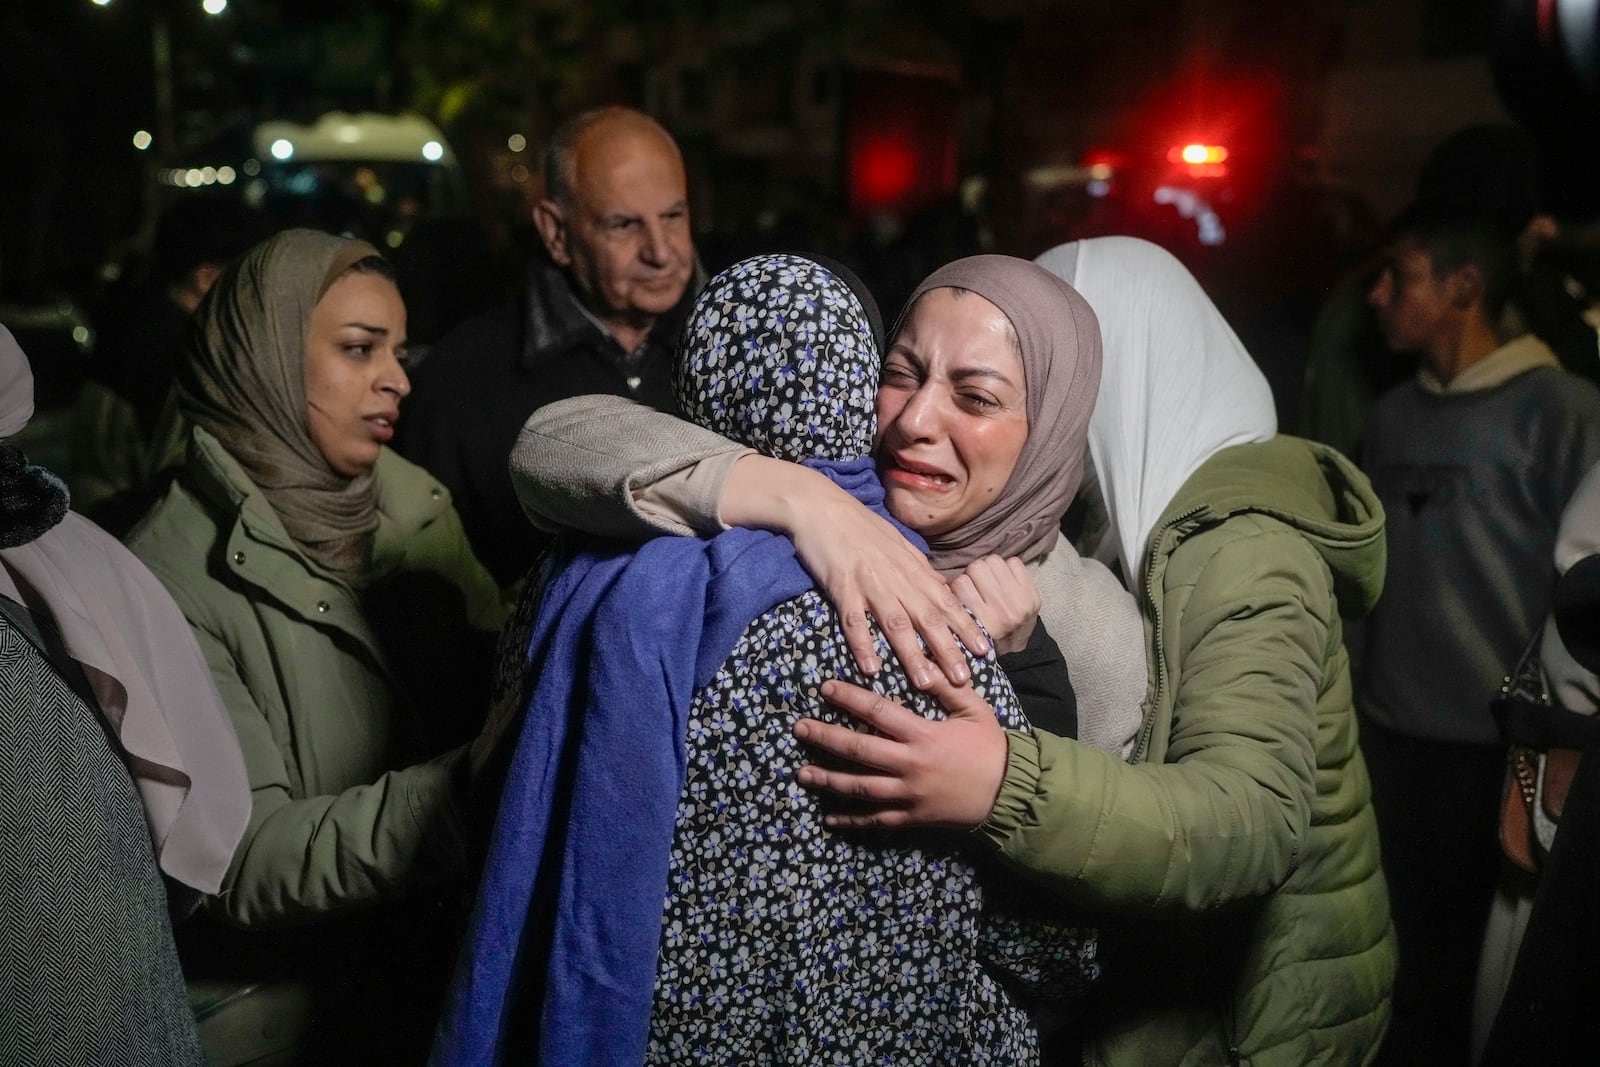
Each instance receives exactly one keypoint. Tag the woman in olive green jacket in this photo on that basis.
(346, 621)
(1235, 855)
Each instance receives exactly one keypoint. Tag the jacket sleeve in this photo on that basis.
(1224, 816)
(301, 859)
(589, 463)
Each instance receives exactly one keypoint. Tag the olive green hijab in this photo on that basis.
(243, 381)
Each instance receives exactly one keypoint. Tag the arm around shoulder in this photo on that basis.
(589, 463)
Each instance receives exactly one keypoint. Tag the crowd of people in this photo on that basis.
(691, 669)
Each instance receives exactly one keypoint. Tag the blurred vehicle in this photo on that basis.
(366, 174)
(1219, 186)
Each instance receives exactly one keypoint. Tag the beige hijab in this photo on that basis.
(243, 380)
(150, 682)
(1060, 341)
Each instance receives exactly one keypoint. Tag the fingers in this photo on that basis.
(926, 626)
(1002, 594)
(1025, 585)
(887, 819)
(958, 701)
(849, 785)
(854, 746)
(962, 624)
(901, 633)
(880, 713)
(859, 638)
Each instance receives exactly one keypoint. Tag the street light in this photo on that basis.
(212, 7)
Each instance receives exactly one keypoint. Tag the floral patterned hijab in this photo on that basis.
(778, 354)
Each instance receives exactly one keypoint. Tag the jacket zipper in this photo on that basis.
(1142, 748)
(1229, 1022)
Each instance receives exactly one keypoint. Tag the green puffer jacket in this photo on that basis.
(348, 807)
(1236, 856)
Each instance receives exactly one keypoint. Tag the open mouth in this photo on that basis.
(909, 472)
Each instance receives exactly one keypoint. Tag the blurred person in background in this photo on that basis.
(122, 790)
(1474, 460)
(601, 313)
(349, 629)
(1560, 960)
(1488, 173)
(126, 433)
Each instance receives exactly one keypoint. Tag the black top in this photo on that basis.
(482, 381)
(1038, 673)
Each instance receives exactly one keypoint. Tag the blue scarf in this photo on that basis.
(573, 889)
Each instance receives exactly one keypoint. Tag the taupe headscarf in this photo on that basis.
(243, 380)
(1060, 341)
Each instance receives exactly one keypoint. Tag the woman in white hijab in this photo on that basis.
(117, 766)
(1244, 815)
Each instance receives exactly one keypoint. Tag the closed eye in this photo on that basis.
(978, 400)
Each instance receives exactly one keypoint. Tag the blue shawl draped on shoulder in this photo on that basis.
(570, 904)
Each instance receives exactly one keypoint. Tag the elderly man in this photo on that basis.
(600, 315)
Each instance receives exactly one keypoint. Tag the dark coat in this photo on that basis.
(482, 381)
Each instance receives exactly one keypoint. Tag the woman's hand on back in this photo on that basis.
(914, 771)
(864, 566)
(1001, 593)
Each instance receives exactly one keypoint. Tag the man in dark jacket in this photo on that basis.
(601, 313)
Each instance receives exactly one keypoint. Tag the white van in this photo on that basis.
(368, 174)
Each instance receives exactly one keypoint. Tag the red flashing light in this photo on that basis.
(1197, 154)
(884, 171)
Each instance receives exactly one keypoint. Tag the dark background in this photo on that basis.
(892, 134)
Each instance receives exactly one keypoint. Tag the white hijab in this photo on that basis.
(1176, 386)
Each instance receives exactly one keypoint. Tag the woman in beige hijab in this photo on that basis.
(348, 627)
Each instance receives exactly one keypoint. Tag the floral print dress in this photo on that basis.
(786, 943)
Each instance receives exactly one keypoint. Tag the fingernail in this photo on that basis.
(801, 729)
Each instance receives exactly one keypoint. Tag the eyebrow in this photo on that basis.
(633, 216)
(959, 374)
(963, 373)
(384, 330)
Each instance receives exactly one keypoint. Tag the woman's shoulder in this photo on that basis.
(419, 530)
(407, 495)
(178, 529)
